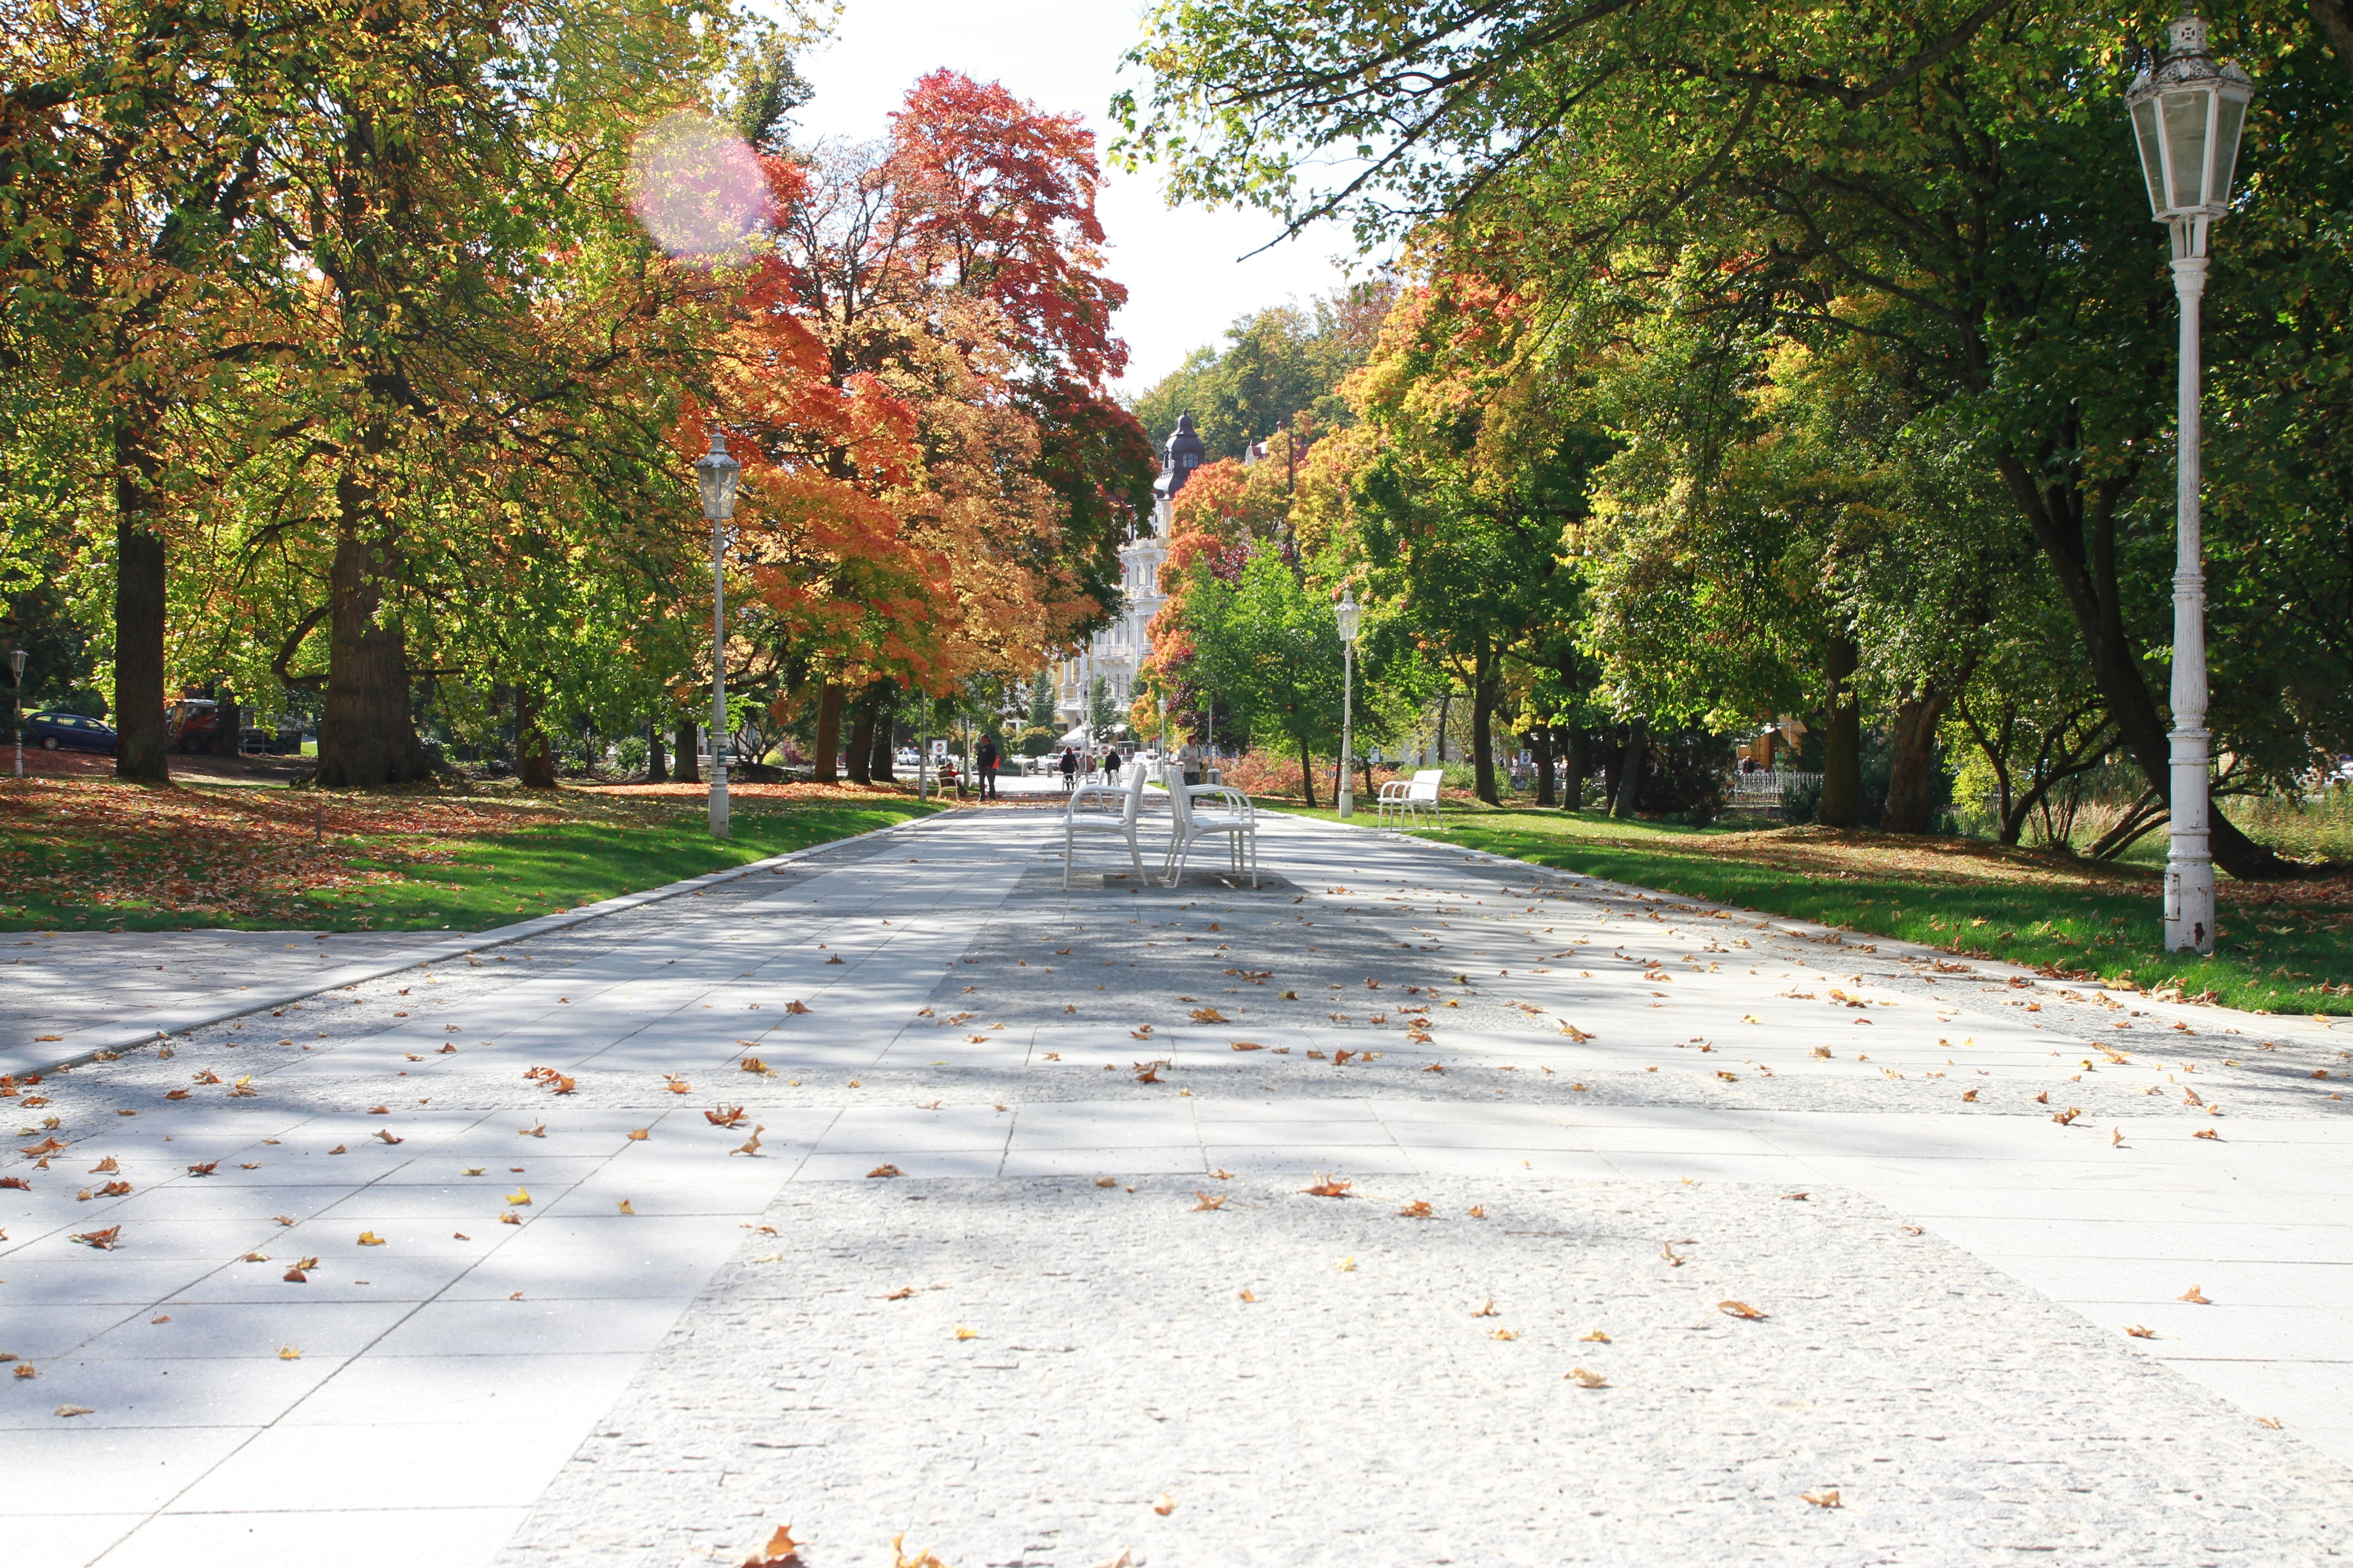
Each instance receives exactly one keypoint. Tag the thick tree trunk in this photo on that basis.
(1629, 784)
(882, 765)
(829, 733)
(232, 721)
(1842, 798)
(1445, 705)
(1912, 771)
(683, 769)
(1487, 692)
(366, 736)
(860, 749)
(655, 764)
(534, 753)
(1307, 775)
(138, 567)
(1573, 769)
(1541, 739)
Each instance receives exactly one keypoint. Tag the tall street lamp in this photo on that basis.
(16, 705)
(715, 474)
(1345, 612)
(2186, 114)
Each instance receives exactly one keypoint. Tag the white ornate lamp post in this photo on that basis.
(1345, 612)
(16, 705)
(716, 473)
(2186, 114)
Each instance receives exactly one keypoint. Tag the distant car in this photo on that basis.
(193, 725)
(54, 732)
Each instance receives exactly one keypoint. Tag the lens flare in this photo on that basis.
(697, 187)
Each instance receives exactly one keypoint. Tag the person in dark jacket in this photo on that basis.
(984, 761)
(1069, 768)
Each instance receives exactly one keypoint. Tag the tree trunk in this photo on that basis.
(1445, 703)
(138, 567)
(1307, 775)
(1573, 769)
(683, 769)
(2086, 571)
(366, 736)
(1842, 798)
(534, 753)
(861, 742)
(1630, 769)
(656, 765)
(1911, 771)
(1541, 739)
(883, 766)
(1487, 692)
(829, 733)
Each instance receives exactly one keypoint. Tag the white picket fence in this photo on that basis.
(1762, 791)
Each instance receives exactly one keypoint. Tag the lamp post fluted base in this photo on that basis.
(718, 800)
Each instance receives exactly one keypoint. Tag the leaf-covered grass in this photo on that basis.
(2284, 948)
(86, 855)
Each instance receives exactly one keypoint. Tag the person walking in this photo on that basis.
(984, 763)
(1069, 770)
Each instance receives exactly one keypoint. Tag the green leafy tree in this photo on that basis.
(1954, 180)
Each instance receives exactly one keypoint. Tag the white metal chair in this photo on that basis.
(1097, 809)
(1231, 816)
(1409, 797)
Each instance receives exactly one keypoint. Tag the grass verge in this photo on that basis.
(95, 855)
(2284, 947)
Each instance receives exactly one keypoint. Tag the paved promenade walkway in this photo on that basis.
(1649, 1219)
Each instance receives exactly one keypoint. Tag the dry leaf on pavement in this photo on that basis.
(2139, 1332)
(370, 1238)
(1418, 1209)
(1325, 1187)
(1586, 1378)
(1827, 1498)
(1741, 1309)
(1165, 1505)
(2194, 1294)
(782, 1551)
(885, 1170)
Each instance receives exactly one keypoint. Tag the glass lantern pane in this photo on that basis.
(2226, 146)
(2145, 131)
(2185, 145)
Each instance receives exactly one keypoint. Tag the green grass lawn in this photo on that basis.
(124, 876)
(2280, 946)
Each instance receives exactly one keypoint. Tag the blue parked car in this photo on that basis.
(53, 731)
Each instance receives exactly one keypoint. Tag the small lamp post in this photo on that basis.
(16, 705)
(2186, 114)
(716, 473)
(1345, 612)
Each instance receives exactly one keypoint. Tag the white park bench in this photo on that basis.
(1410, 799)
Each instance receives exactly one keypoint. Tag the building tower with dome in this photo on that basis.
(1119, 652)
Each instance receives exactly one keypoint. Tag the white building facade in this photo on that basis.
(1118, 653)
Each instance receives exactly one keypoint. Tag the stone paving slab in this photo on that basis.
(479, 1116)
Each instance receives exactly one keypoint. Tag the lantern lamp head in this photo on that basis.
(1345, 612)
(16, 663)
(716, 473)
(2187, 114)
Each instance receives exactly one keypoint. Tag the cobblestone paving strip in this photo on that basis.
(1403, 1390)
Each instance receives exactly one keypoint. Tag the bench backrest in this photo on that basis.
(1425, 785)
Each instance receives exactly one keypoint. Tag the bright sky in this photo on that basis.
(1185, 283)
